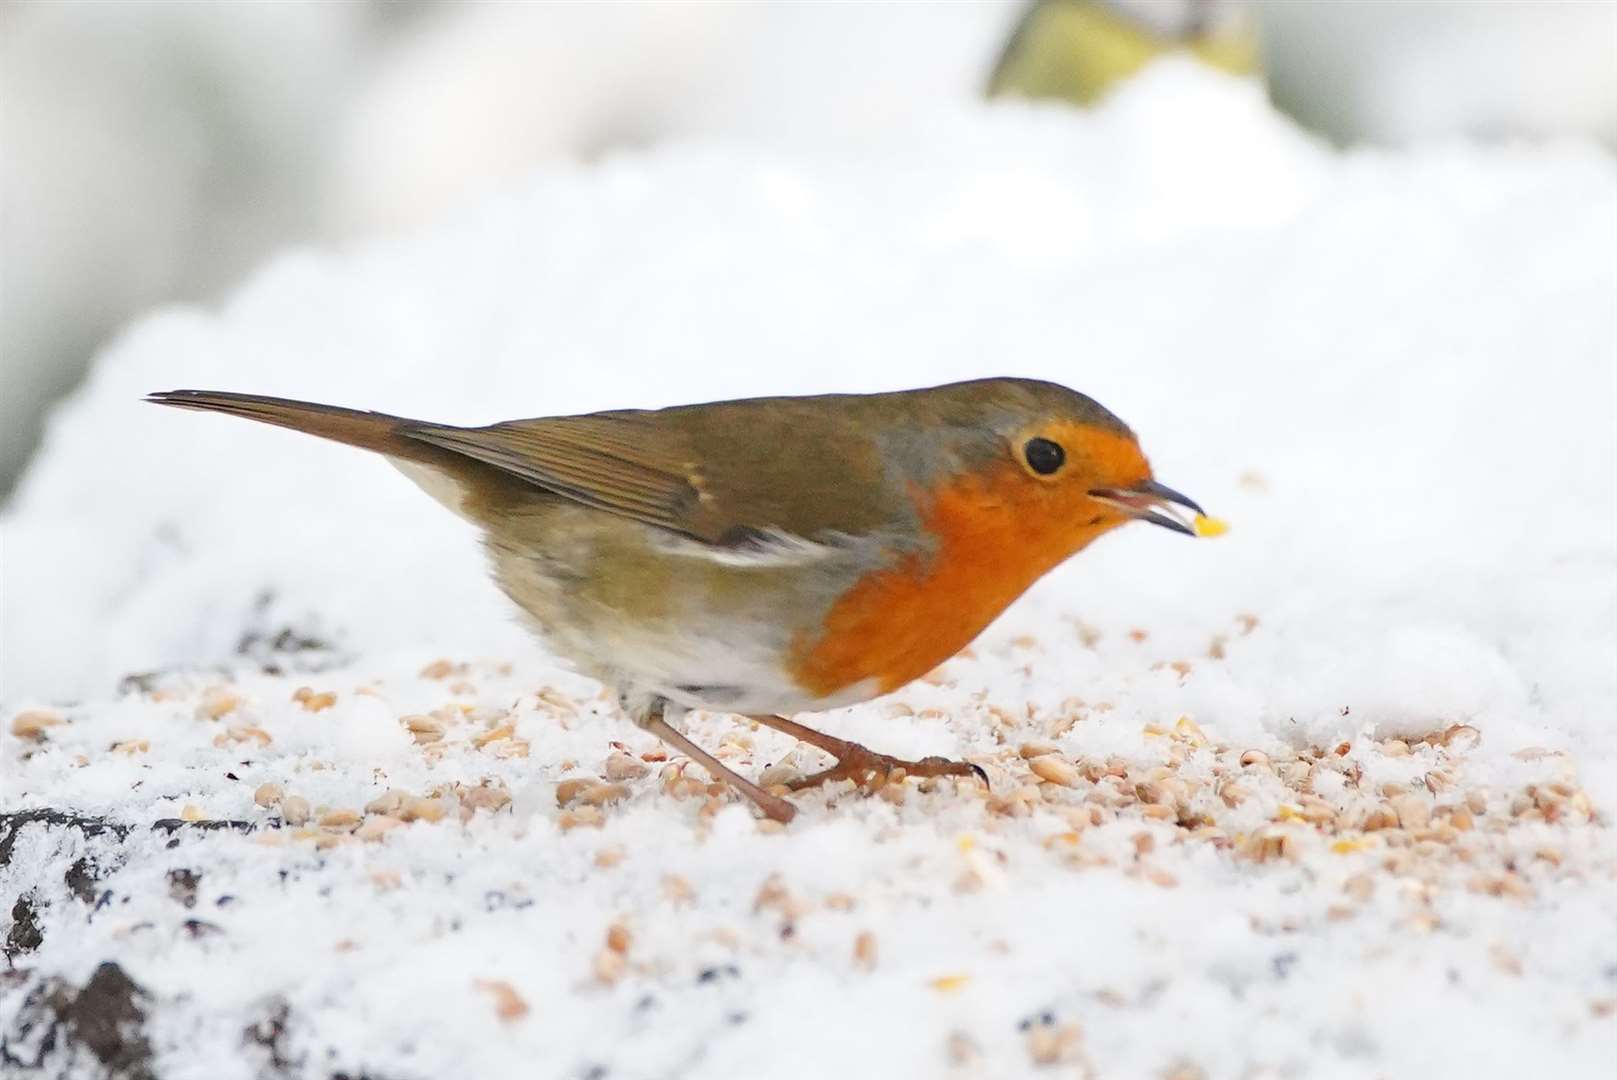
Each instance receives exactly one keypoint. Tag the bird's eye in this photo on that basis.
(1043, 456)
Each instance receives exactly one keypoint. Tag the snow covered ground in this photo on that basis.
(1326, 797)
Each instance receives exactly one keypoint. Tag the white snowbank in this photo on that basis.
(1393, 373)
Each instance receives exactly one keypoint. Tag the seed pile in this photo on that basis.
(467, 766)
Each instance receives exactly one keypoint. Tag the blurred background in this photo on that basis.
(155, 152)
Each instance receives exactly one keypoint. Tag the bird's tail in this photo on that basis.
(447, 476)
(369, 430)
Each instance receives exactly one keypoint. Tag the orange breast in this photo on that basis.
(995, 534)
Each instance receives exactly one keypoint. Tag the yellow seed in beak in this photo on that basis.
(1209, 526)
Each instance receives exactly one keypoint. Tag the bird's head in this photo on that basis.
(1055, 465)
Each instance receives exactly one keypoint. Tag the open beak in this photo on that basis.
(1151, 502)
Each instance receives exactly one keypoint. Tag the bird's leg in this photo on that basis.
(855, 762)
(773, 806)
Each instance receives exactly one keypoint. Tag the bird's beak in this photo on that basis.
(1153, 502)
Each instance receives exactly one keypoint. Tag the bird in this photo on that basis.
(1080, 51)
(773, 556)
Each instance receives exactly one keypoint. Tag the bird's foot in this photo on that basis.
(771, 806)
(862, 765)
(870, 770)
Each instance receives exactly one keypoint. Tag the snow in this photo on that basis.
(1395, 374)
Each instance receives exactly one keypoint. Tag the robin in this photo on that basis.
(770, 556)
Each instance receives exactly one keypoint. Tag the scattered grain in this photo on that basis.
(388, 802)
(1413, 812)
(620, 766)
(490, 794)
(416, 808)
(424, 729)
(1054, 769)
(1379, 817)
(240, 733)
(495, 734)
(1461, 738)
(568, 791)
(295, 810)
(777, 774)
(508, 1004)
(609, 966)
(216, 703)
(1438, 780)
(1189, 731)
(377, 826)
(864, 950)
(589, 817)
(339, 820)
(313, 702)
(1049, 1045)
(596, 793)
(33, 723)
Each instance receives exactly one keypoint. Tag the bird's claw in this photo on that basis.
(857, 764)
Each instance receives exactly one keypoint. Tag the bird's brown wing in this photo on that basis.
(722, 473)
(609, 463)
